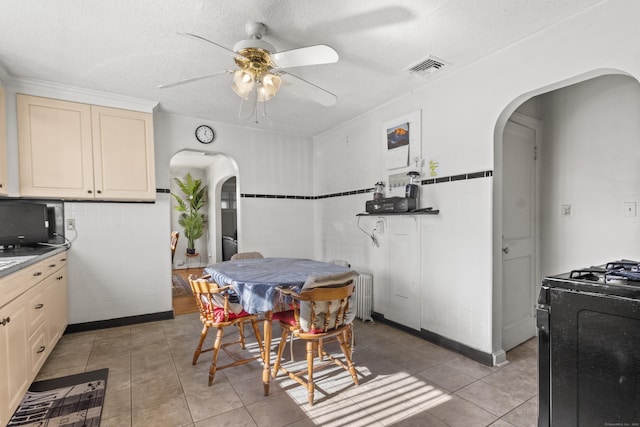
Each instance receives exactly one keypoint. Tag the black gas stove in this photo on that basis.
(589, 346)
(620, 278)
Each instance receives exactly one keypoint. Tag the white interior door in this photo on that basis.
(518, 235)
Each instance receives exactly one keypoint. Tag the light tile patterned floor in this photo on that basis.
(404, 381)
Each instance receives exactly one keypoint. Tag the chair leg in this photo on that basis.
(241, 338)
(310, 356)
(283, 342)
(214, 360)
(343, 340)
(203, 336)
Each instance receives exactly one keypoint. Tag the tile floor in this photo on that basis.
(404, 381)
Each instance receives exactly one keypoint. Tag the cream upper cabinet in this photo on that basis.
(79, 151)
(4, 187)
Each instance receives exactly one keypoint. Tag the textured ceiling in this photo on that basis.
(130, 47)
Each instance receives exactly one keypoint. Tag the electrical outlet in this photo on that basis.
(71, 223)
(629, 208)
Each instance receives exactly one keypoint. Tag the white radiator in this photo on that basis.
(364, 296)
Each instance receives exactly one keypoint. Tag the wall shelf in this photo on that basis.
(430, 212)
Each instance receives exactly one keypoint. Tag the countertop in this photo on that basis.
(32, 255)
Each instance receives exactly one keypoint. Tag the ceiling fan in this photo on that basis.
(261, 69)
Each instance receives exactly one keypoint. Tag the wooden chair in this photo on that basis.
(174, 243)
(320, 311)
(217, 311)
(246, 255)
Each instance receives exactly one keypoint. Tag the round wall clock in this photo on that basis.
(205, 134)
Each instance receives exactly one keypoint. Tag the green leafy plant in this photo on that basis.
(193, 198)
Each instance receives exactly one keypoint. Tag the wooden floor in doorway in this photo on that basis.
(185, 304)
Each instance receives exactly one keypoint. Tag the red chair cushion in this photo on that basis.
(218, 314)
(285, 317)
(289, 318)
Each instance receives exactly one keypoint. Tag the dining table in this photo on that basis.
(256, 282)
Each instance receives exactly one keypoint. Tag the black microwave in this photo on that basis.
(23, 223)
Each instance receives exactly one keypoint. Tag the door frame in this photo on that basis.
(499, 355)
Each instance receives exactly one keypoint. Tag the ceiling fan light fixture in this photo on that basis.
(269, 85)
(243, 81)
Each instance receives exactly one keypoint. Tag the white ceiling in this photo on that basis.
(129, 47)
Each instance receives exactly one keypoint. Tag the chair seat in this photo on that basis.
(218, 315)
(287, 318)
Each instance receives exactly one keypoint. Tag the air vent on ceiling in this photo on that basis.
(426, 66)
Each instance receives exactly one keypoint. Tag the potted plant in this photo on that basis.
(194, 197)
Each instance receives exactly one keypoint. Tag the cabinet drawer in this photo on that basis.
(38, 349)
(19, 282)
(36, 309)
(54, 263)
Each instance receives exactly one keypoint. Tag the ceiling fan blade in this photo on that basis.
(202, 39)
(310, 55)
(193, 79)
(316, 93)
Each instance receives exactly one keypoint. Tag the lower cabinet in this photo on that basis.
(30, 326)
(15, 364)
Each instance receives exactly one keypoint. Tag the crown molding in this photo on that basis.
(77, 94)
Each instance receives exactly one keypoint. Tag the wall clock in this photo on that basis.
(205, 134)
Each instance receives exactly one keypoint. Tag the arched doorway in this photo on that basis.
(214, 169)
(566, 119)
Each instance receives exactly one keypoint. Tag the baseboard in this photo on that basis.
(465, 350)
(121, 321)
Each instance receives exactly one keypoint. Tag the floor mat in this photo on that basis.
(75, 400)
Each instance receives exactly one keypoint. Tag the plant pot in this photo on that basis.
(191, 251)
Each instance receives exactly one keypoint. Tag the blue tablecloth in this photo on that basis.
(255, 279)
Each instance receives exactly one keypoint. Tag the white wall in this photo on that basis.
(267, 164)
(119, 264)
(590, 158)
(463, 117)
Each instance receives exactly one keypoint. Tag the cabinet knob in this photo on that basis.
(89, 191)
(99, 191)
(51, 265)
(5, 321)
(0, 185)
(38, 306)
(37, 273)
(41, 349)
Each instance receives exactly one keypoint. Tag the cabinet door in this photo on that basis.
(57, 314)
(123, 154)
(54, 140)
(14, 361)
(4, 186)
(404, 271)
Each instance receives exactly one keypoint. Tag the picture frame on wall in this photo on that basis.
(402, 139)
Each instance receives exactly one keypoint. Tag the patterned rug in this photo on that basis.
(75, 400)
(179, 286)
